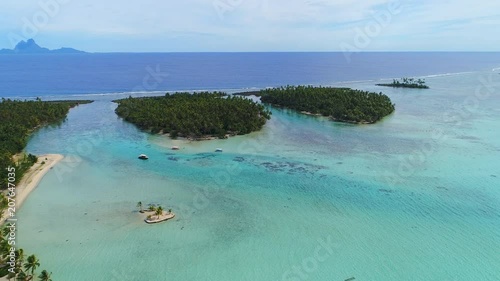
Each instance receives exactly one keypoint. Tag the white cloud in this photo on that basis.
(258, 24)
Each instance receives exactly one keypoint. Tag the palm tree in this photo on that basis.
(151, 207)
(31, 264)
(18, 267)
(169, 211)
(139, 205)
(45, 276)
(5, 231)
(4, 248)
(159, 212)
(21, 276)
(12, 274)
(20, 256)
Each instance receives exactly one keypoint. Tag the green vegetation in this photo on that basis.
(159, 212)
(24, 268)
(139, 205)
(19, 119)
(45, 276)
(194, 115)
(341, 104)
(156, 211)
(407, 83)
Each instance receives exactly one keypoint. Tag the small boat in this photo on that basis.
(143, 157)
(218, 150)
(175, 148)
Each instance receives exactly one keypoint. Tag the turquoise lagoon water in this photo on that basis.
(414, 197)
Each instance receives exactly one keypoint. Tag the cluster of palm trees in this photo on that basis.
(18, 119)
(158, 210)
(194, 115)
(341, 104)
(407, 83)
(24, 268)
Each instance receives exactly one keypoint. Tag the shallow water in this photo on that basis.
(414, 197)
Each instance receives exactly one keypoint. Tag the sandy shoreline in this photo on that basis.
(163, 217)
(32, 178)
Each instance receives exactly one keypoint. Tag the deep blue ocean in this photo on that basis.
(71, 74)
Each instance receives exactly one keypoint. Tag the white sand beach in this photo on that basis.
(155, 219)
(32, 178)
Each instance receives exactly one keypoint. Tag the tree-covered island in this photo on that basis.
(406, 83)
(194, 116)
(340, 104)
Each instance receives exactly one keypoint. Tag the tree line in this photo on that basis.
(195, 115)
(407, 83)
(18, 120)
(341, 104)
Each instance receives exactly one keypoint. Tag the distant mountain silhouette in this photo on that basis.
(31, 47)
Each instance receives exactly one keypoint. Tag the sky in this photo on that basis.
(253, 25)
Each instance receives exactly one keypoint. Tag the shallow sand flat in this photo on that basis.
(32, 178)
(164, 217)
